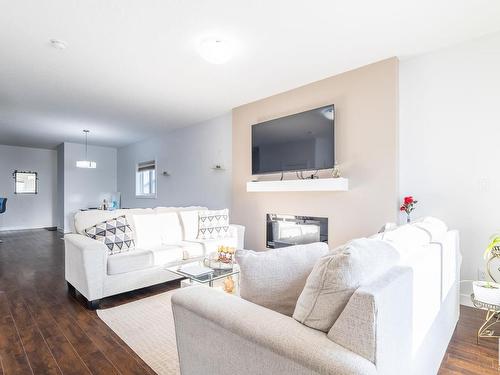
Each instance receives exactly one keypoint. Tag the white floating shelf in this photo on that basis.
(319, 184)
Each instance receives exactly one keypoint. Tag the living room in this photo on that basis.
(189, 190)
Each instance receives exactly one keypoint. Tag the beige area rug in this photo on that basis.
(147, 326)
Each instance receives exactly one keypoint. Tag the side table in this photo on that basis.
(492, 317)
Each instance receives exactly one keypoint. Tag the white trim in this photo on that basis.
(5, 229)
(465, 300)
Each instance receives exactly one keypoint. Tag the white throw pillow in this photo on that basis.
(407, 234)
(147, 231)
(275, 278)
(170, 228)
(189, 221)
(213, 224)
(436, 228)
(337, 275)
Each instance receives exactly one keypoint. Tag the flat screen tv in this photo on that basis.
(301, 142)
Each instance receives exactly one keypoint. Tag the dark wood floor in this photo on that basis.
(45, 331)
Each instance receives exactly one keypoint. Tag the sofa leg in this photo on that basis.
(71, 289)
(93, 305)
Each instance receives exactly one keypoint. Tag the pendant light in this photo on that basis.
(86, 163)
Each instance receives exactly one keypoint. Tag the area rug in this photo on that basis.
(147, 327)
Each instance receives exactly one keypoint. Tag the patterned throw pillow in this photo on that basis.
(213, 224)
(116, 234)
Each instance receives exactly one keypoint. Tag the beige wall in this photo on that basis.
(366, 102)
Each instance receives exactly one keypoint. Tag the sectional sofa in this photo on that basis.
(164, 236)
(399, 323)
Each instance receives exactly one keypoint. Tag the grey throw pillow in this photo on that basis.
(337, 275)
(275, 278)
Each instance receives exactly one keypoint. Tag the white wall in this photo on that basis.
(84, 188)
(188, 154)
(26, 211)
(449, 141)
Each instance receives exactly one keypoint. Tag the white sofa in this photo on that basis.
(170, 238)
(404, 319)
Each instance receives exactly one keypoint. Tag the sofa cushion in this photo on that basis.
(435, 228)
(213, 224)
(191, 249)
(147, 231)
(114, 233)
(88, 218)
(211, 246)
(337, 275)
(275, 278)
(166, 254)
(407, 234)
(129, 262)
(189, 221)
(170, 228)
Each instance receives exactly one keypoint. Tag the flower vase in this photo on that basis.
(408, 219)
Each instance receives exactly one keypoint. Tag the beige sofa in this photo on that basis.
(168, 239)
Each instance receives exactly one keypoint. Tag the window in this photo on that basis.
(26, 182)
(145, 179)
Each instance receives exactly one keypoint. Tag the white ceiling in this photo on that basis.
(131, 69)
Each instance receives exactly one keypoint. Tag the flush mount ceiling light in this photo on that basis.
(58, 44)
(86, 163)
(215, 50)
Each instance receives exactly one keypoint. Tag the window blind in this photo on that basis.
(146, 166)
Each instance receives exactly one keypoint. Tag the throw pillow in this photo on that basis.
(435, 228)
(213, 224)
(147, 231)
(275, 278)
(114, 233)
(171, 230)
(337, 275)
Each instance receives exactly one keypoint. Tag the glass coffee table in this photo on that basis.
(224, 275)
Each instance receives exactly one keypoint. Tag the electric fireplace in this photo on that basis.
(288, 230)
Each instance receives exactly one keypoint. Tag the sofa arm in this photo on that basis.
(377, 322)
(218, 333)
(238, 231)
(85, 264)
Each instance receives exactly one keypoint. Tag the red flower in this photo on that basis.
(402, 208)
(408, 200)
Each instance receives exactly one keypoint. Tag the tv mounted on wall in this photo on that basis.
(301, 142)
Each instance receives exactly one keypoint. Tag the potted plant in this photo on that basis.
(493, 249)
(408, 206)
(487, 291)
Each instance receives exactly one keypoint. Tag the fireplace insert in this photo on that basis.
(288, 230)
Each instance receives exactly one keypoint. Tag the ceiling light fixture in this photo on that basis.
(58, 44)
(86, 163)
(215, 50)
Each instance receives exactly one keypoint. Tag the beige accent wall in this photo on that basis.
(366, 102)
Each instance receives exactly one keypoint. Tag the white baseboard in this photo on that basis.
(465, 300)
(5, 229)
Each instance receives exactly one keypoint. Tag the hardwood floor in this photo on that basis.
(45, 331)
